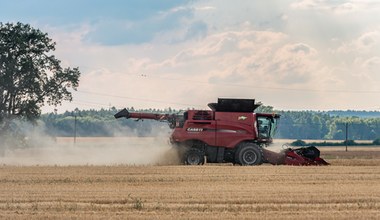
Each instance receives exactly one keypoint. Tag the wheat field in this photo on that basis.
(348, 189)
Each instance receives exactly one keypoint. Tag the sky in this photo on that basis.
(289, 54)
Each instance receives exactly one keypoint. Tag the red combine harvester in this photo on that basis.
(229, 132)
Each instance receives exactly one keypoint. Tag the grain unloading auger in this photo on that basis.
(230, 132)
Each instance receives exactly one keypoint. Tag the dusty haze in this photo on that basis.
(38, 148)
(42, 149)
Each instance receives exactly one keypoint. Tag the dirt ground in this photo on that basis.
(348, 189)
(354, 156)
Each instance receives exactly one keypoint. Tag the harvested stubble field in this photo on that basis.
(348, 189)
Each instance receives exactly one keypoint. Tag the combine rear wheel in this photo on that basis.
(249, 154)
(194, 156)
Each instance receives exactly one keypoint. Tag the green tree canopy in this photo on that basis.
(30, 75)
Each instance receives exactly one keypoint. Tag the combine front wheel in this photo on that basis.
(249, 154)
(194, 156)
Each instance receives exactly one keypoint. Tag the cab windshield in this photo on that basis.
(267, 126)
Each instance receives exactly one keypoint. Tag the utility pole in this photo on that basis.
(75, 129)
(55, 119)
(346, 135)
(76, 111)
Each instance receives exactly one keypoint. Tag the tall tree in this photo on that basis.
(30, 75)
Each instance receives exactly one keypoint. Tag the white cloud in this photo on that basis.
(278, 55)
(338, 7)
(373, 62)
(364, 46)
(308, 4)
(205, 8)
(368, 40)
(371, 67)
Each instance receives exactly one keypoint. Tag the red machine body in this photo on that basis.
(230, 132)
(226, 129)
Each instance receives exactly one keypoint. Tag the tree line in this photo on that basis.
(317, 125)
(292, 124)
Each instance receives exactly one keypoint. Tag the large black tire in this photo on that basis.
(248, 154)
(194, 156)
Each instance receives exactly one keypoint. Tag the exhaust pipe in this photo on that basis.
(122, 113)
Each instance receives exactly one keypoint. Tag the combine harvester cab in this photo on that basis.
(230, 132)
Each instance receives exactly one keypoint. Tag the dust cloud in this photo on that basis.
(275, 153)
(37, 148)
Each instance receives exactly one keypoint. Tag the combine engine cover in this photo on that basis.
(234, 105)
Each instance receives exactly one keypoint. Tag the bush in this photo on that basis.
(350, 143)
(376, 141)
(298, 143)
